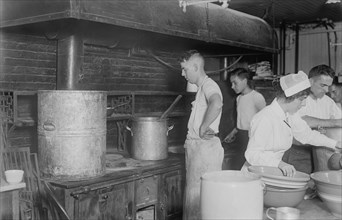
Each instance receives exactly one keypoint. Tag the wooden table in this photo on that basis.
(313, 209)
(9, 200)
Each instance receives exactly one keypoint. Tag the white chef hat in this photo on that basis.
(294, 83)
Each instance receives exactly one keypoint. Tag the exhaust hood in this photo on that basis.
(207, 23)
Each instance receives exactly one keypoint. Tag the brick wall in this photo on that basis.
(120, 69)
(29, 63)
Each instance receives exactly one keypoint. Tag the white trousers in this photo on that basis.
(201, 156)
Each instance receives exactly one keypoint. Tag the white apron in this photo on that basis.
(201, 156)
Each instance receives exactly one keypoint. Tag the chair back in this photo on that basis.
(21, 158)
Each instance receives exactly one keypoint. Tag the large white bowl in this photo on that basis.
(329, 189)
(273, 176)
(283, 197)
(14, 176)
(328, 182)
(333, 203)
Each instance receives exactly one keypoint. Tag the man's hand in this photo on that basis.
(230, 137)
(287, 169)
(338, 147)
(207, 133)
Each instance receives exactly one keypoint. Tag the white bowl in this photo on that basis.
(283, 197)
(14, 176)
(334, 198)
(329, 182)
(273, 176)
(329, 189)
(334, 203)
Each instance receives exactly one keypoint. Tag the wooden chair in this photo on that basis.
(29, 198)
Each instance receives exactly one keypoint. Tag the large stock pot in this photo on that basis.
(149, 138)
(72, 133)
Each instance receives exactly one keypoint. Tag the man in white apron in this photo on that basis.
(203, 149)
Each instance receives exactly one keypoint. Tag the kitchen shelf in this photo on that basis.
(20, 109)
(23, 122)
(116, 117)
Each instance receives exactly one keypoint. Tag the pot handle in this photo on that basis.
(263, 186)
(268, 216)
(128, 128)
(169, 129)
(49, 126)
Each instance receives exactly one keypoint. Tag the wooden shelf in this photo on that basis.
(22, 122)
(116, 117)
(27, 120)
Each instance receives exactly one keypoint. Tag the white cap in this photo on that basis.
(294, 83)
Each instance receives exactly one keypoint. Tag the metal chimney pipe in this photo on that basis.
(69, 62)
(224, 74)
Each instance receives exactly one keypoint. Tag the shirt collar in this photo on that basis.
(278, 110)
(204, 79)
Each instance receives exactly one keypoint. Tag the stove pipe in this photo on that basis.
(69, 62)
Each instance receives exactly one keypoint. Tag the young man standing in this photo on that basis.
(203, 149)
(248, 103)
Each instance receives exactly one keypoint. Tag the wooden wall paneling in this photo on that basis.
(171, 195)
(27, 62)
(118, 69)
(109, 202)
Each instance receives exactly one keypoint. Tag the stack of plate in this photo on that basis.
(273, 176)
(281, 190)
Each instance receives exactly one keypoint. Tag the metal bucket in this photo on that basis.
(149, 138)
(72, 133)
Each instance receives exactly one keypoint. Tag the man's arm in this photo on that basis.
(317, 122)
(213, 111)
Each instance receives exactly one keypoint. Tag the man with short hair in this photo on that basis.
(335, 91)
(203, 149)
(319, 111)
(273, 128)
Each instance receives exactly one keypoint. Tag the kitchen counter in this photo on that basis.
(126, 190)
(4, 186)
(124, 169)
(313, 209)
(9, 199)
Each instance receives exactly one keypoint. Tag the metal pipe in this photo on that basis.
(224, 74)
(283, 48)
(70, 53)
(329, 54)
(297, 48)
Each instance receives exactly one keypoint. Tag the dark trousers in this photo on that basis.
(300, 156)
(235, 151)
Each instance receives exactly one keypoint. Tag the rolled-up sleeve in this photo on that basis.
(305, 135)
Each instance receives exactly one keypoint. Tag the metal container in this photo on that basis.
(231, 194)
(72, 133)
(149, 138)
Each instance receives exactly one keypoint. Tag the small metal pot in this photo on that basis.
(149, 138)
